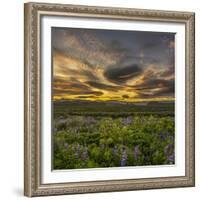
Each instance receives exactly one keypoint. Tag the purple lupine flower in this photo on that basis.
(171, 158)
(76, 154)
(145, 158)
(136, 152)
(78, 147)
(167, 134)
(76, 129)
(162, 136)
(84, 155)
(102, 146)
(55, 130)
(77, 151)
(90, 120)
(127, 121)
(169, 153)
(66, 145)
(123, 157)
(115, 150)
(73, 147)
(168, 149)
(123, 162)
(171, 138)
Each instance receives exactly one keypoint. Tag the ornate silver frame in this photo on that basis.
(32, 157)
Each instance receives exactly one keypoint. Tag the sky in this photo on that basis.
(112, 65)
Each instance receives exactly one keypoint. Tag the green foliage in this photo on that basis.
(91, 142)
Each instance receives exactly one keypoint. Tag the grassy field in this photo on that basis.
(110, 134)
(64, 108)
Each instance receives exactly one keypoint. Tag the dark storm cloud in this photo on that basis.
(153, 88)
(150, 45)
(118, 74)
(166, 92)
(125, 96)
(117, 47)
(103, 86)
(154, 83)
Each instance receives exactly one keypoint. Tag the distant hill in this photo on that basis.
(142, 103)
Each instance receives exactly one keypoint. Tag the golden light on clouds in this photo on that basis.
(102, 66)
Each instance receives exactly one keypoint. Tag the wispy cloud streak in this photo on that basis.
(112, 65)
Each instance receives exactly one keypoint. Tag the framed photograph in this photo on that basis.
(109, 99)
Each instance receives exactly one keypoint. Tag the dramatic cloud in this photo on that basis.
(104, 86)
(87, 96)
(156, 88)
(154, 83)
(125, 96)
(168, 73)
(112, 65)
(58, 91)
(122, 74)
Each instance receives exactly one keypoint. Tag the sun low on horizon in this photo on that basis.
(112, 65)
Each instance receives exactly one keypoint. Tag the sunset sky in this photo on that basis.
(132, 66)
